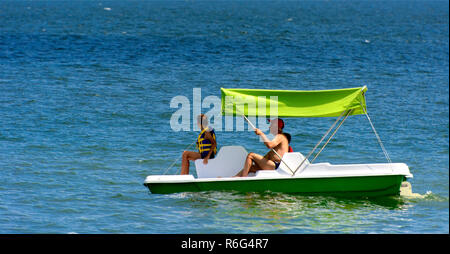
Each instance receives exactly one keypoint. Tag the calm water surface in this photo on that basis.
(85, 88)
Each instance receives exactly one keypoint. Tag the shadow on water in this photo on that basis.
(271, 212)
(271, 199)
(268, 198)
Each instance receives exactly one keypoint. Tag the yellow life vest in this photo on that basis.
(204, 145)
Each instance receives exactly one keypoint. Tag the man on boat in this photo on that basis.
(270, 161)
(206, 144)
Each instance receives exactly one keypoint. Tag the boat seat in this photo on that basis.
(293, 160)
(227, 163)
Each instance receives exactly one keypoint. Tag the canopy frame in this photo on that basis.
(347, 112)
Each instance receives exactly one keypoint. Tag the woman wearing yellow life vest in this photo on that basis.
(206, 144)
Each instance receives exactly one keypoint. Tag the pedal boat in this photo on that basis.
(320, 178)
(296, 174)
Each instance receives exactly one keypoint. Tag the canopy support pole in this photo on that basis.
(378, 137)
(337, 128)
(315, 147)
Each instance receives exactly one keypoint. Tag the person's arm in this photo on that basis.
(213, 145)
(269, 143)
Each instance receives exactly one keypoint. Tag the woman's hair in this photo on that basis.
(288, 136)
(202, 119)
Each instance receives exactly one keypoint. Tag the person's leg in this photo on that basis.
(261, 163)
(185, 158)
(253, 168)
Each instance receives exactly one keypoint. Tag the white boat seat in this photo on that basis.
(293, 160)
(230, 160)
(227, 163)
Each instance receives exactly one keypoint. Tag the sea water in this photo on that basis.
(85, 91)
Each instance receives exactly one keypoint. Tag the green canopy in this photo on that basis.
(293, 103)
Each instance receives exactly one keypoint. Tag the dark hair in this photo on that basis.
(288, 136)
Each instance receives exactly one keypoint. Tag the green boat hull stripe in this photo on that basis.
(347, 186)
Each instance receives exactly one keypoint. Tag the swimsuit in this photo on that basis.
(277, 164)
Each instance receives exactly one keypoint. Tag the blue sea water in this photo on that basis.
(85, 90)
